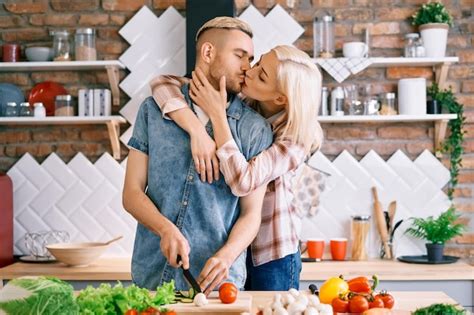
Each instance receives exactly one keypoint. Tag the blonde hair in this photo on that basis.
(227, 23)
(300, 80)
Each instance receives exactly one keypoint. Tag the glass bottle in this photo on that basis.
(39, 111)
(61, 45)
(323, 37)
(11, 110)
(388, 106)
(410, 44)
(85, 44)
(420, 49)
(25, 110)
(359, 231)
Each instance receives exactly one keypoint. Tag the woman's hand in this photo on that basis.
(203, 149)
(210, 100)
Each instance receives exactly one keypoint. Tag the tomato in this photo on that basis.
(332, 288)
(340, 306)
(377, 302)
(387, 299)
(228, 293)
(131, 312)
(149, 311)
(168, 313)
(358, 304)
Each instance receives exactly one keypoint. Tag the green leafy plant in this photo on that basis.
(440, 309)
(453, 144)
(439, 230)
(432, 12)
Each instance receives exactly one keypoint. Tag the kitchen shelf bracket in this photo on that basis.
(114, 132)
(440, 128)
(113, 74)
(441, 73)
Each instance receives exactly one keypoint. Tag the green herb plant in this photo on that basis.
(432, 12)
(439, 230)
(440, 309)
(453, 144)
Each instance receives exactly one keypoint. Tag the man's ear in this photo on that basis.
(281, 99)
(207, 52)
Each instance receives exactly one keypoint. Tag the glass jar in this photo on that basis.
(11, 110)
(323, 37)
(420, 49)
(61, 45)
(388, 106)
(359, 231)
(25, 110)
(410, 44)
(63, 106)
(85, 44)
(11, 52)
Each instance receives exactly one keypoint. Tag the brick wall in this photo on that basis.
(29, 22)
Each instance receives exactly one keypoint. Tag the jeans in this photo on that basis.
(277, 275)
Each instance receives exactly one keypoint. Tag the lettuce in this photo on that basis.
(37, 295)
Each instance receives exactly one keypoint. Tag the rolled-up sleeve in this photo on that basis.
(139, 139)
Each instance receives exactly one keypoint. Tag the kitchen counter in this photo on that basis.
(119, 269)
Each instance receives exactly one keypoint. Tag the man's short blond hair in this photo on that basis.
(227, 23)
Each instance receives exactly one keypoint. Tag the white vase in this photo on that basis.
(435, 37)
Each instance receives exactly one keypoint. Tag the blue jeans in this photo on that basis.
(277, 275)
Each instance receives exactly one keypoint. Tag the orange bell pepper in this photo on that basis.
(362, 284)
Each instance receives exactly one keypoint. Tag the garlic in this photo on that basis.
(294, 292)
(295, 308)
(280, 311)
(311, 311)
(200, 299)
(313, 300)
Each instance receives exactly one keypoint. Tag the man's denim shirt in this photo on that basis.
(204, 213)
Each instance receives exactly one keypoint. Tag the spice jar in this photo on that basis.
(39, 110)
(11, 110)
(11, 52)
(63, 106)
(25, 110)
(359, 232)
(410, 44)
(323, 37)
(388, 104)
(61, 45)
(85, 44)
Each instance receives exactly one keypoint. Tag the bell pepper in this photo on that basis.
(363, 285)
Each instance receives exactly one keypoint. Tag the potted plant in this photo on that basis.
(433, 20)
(436, 231)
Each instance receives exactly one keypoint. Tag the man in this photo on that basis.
(179, 214)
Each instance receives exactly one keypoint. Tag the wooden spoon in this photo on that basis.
(113, 240)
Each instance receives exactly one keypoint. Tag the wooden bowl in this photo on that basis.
(77, 254)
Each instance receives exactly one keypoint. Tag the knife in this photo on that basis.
(189, 277)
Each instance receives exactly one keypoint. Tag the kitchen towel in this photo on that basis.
(341, 68)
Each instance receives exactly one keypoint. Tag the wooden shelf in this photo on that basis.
(440, 122)
(111, 66)
(112, 122)
(441, 65)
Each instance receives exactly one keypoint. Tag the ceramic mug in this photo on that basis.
(315, 248)
(355, 50)
(338, 248)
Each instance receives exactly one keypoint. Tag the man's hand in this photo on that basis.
(214, 272)
(173, 243)
(203, 149)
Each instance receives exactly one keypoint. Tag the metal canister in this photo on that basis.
(323, 109)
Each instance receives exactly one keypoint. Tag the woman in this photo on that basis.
(286, 87)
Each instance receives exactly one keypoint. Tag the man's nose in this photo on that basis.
(245, 65)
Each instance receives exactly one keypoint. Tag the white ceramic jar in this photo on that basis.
(412, 96)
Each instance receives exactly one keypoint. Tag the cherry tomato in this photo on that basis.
(377, 302)
(131, 312)
(228, 293)
(387, 299)
(149, 311)
(340, 306)
(358, 304)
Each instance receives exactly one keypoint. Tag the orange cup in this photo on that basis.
(315, 248)
(338, 248)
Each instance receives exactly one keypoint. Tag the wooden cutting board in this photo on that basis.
(215, 306)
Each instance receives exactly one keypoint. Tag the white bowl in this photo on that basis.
(39, 53)
(77, 254)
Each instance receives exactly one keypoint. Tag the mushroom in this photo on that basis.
(303, 299)
(324, 309)
(313, 300)
(296, 308)
(311, 311)
(267, 310)
(200, 299)
(288, 299)
(294, 292)
(280, 311)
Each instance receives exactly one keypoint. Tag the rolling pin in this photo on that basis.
(381, 224)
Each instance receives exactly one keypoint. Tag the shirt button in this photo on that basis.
(190, 177)
(185, 203)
